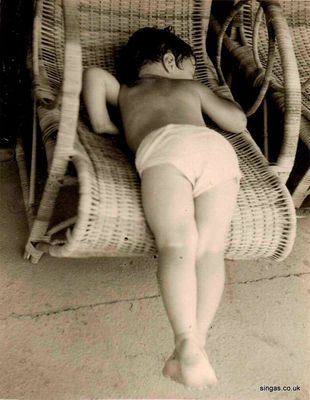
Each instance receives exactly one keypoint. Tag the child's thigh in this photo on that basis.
(168, 205)
(213, 213)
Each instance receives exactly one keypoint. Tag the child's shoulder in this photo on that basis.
(191, 86)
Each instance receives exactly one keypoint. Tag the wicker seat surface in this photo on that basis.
(110, 220)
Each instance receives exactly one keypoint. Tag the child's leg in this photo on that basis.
(169, 209)
(213, 212)
(99, 89)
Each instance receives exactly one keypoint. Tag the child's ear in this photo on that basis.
(169, 62)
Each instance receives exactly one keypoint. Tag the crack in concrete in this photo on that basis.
(61, 310)
(271, 278)
(67, 309)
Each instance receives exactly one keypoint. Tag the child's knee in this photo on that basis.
(183, 236)
(211, 248)
(213, 243)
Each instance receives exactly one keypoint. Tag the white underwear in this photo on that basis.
(201, 154)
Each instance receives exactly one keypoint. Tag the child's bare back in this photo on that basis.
(155, 102)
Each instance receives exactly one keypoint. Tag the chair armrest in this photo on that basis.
(67, 128)
(292, 89)
(70, 90)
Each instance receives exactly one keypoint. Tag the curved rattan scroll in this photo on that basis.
(271, 47)
(235, 10)
(271, 53)
(290, 96)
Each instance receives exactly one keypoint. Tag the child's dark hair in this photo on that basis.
(150, 45)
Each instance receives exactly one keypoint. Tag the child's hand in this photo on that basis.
(108, 128)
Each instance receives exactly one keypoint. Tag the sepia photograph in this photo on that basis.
(155, 199)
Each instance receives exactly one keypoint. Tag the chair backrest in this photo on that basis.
(105, 26)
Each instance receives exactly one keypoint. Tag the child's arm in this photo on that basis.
(99, 89)
(227, 114)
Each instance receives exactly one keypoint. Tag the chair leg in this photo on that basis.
(32, 254)
(302, 190)
(33, 168)
(24, 180)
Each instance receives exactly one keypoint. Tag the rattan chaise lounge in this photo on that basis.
(71, 35)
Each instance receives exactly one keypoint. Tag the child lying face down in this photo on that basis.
(189, 180)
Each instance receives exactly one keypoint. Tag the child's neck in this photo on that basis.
(155, 70)
(151, 76)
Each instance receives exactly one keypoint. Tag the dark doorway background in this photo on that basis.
(16, 17)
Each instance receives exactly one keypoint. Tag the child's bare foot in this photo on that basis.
(172, 368)
(195, 367)
(189, 364)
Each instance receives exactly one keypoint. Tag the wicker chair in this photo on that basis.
(256, 41)
(109, 221)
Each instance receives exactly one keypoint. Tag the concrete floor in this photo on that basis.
(96, 328)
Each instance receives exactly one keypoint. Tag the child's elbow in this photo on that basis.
(98, 128)
(239, 122)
